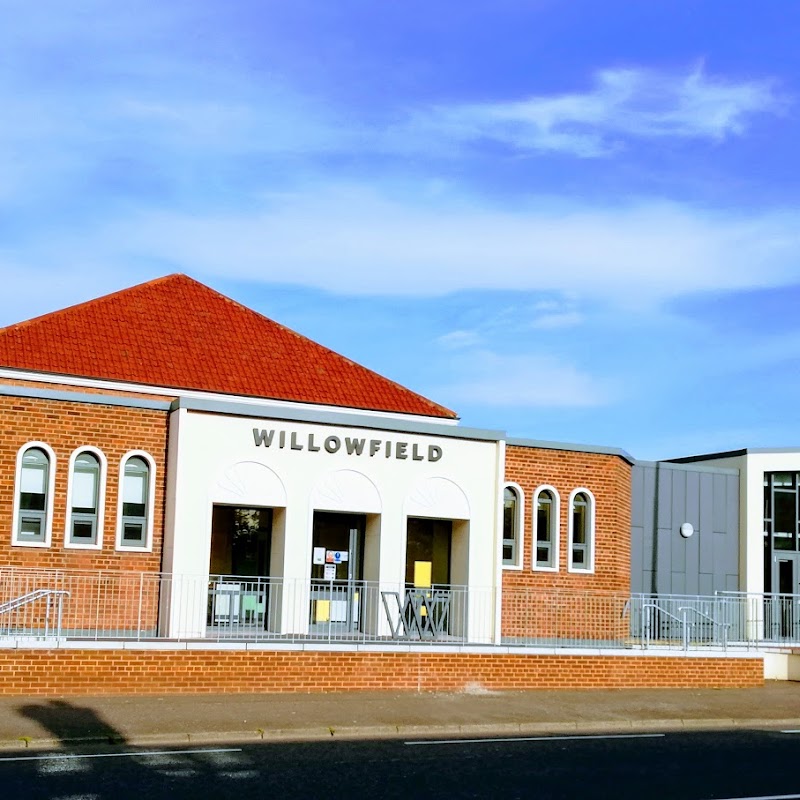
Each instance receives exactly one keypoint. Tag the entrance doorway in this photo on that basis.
(784, 604)
(241, 544)
(337, 594)
(428, 546)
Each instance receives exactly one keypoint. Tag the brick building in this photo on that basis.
(167, 430)
(175, 466)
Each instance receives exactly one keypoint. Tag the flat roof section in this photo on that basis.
(746, 451)
(342, 419)
(575, 448)
(80, 397)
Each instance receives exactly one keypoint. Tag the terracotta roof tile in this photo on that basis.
(177, 333)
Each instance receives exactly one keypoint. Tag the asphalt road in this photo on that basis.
(678, 766)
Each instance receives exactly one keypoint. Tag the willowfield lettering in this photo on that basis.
(352, 446)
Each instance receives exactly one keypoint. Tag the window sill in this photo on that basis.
(513, 567)
(121, 548)
(537, 568)
(78, 546)
(30, 544)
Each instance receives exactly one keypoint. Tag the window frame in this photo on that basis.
(101, 500)
(517, 563)
(147, 546)
(590, 531)
(555, 529)
(49, 496)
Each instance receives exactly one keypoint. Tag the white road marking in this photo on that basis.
(767, 797)
(59, 757)
(541, 738)
(798, 731)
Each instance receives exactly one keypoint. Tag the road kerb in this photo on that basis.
(403, 731)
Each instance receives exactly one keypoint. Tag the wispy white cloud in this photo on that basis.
(624, 103)
(555, 314)
(525, 381)
(459, 340)
(557, 321)
(355, 240)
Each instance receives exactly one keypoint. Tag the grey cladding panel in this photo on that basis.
(692, 549)
(678, 509)
(692, 511)
(665, 562)
(681, 548)
(664, 498)
(706, 504)
(678, 583)
(707, 541)
(732, 505)
(637, 496)
(637, 553)
(647, 547)
(649, 491)
(663, 558)
(720, 498)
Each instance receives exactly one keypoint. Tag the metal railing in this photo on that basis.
(773, 618)
(20, 620)
(95, 605)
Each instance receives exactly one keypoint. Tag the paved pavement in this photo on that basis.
(140, 720)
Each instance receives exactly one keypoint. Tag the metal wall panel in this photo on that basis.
(661, 559)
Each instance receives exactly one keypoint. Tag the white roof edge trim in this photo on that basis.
(120, 386)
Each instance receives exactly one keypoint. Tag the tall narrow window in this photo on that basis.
(581, 543)
(33, 505)
(135, 497)
(85, 500)
(512, 528)
(546, 529)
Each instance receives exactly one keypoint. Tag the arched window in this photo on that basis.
(136, 504)
(33, 500)
(512, 526)
(85, 500)
(581, 531)
(545, 528)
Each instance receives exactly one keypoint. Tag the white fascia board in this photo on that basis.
(120, 386)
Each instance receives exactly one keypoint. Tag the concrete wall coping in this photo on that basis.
(338, 418)
(577, 448)
(36, 393)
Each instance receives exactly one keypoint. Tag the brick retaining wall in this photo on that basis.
(58, 672)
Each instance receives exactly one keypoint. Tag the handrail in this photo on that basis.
(723, 625)
(646, 627)
(704, 615)
(32, 597)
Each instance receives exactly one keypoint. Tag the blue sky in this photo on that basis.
(573, 221)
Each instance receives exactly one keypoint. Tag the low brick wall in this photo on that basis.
(58, 672)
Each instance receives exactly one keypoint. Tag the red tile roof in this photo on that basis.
(175, 332)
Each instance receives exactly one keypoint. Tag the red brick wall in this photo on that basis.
(539, 603)
(107, 672)
(65, 426)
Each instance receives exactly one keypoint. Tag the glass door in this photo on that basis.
(785, 605)
(336, 572)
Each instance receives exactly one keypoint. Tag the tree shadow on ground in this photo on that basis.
(92, 760)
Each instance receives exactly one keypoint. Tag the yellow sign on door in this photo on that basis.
(422, 574)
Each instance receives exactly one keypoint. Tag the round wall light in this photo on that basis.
(686, 530)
